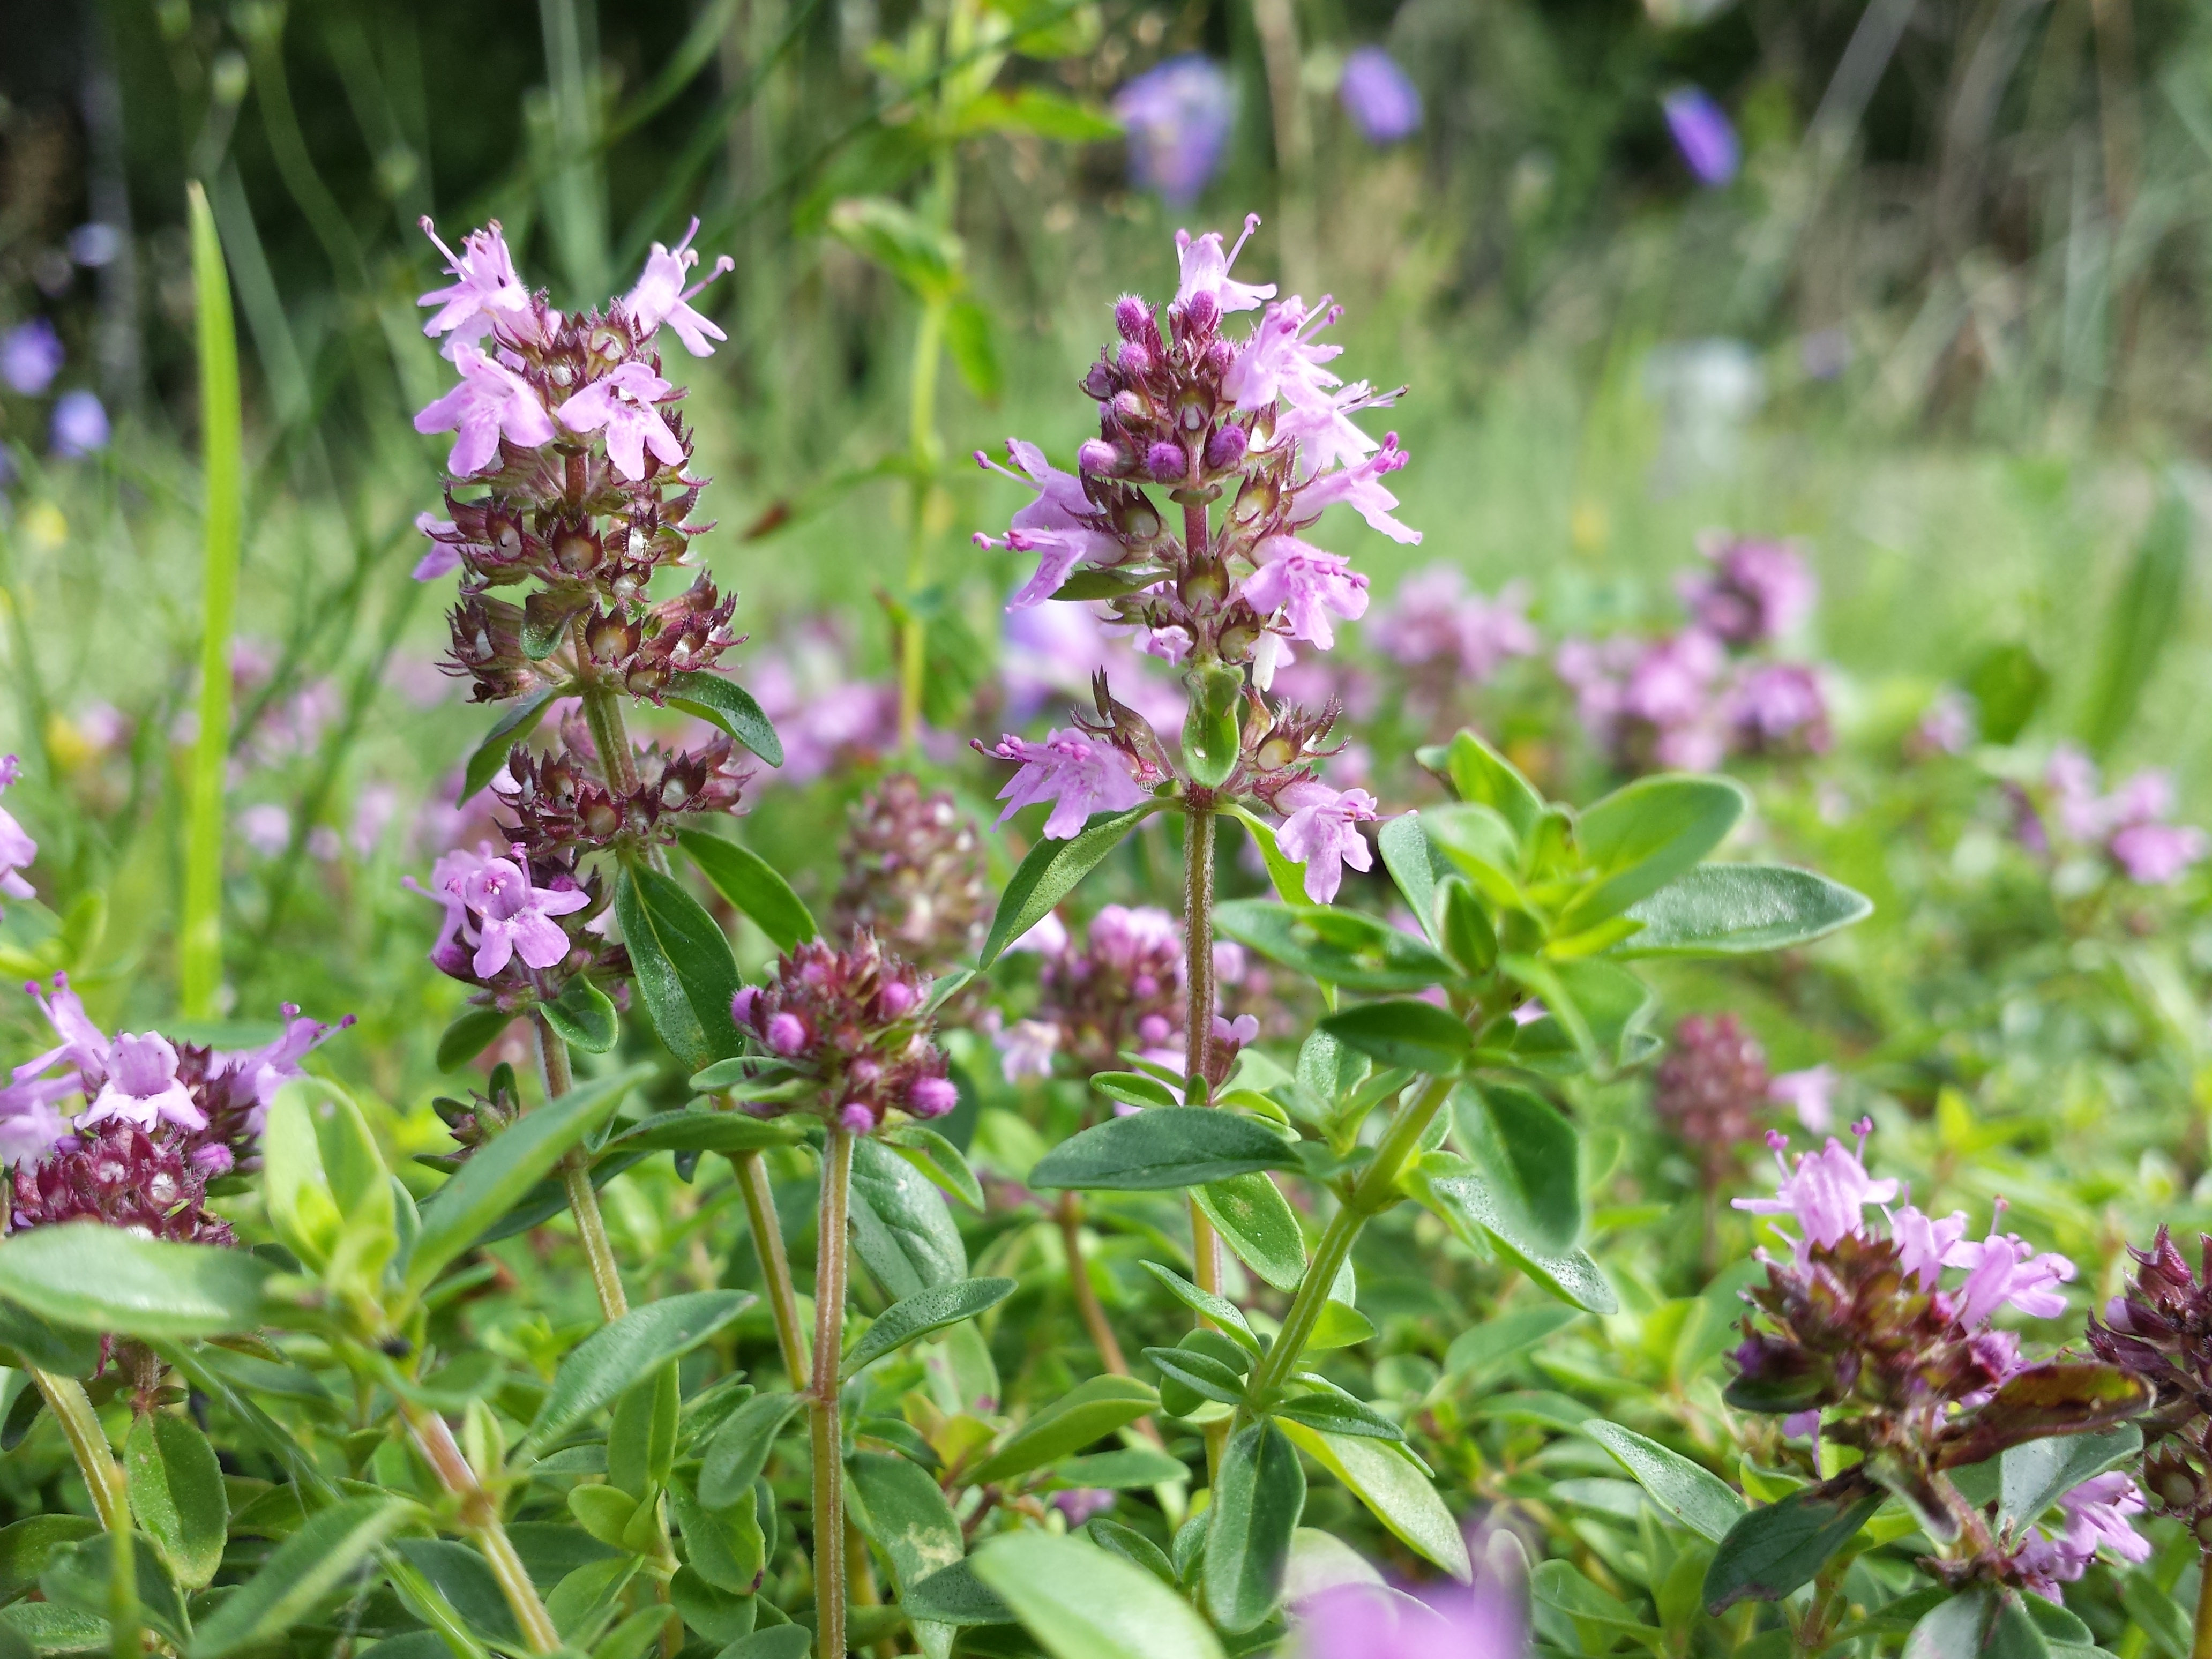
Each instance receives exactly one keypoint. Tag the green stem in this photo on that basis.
(1375, 1191)
(199, 950)
(576, 1180)
(1198, 953)
(2200, 1644)
(775, 1264)
(88, 1442)
(126, 1632)
(479, 1517)
(924, 452)
(829, 1266)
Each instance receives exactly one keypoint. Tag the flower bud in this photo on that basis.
(1217, 360)
(1136, 363)
(1099, 458)
(898, 999)
(932, 1096)
(1225, 448)
(1200, 313)
(1165, 462)
(856, 1116)
(786, 1035)
(741, 1005)
(1129, 408)
(1133, 318)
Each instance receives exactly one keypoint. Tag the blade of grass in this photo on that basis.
(199, 949)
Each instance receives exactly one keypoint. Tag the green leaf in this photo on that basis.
(24, 1336)
(905, 1512)
(465, 1578)
(2056, 1397)
(1481, 775)
(1080, 1602)
(1128, 1469)
(28, 1544)
(927, 260)
(1530, 1158)
(1169, 1146)
(739, 1449)
(2139, 623)
(686, 973)
(1983, 1622)
(753, 884)
(1771, 1550)
(1205, 1375)
(97, 1278)
(1251, 1213)
(583, 1016)
(1740, 909)
(2007, 683)
(48, 1627)
(1213, 741)
(330, 1195)
(1474, 1353)
(1133, 1089)
(1394, 1489)
(1344, 948)
(945, 1164)
(1416, 864)
(1048, 115)
(469, 1036)
(1485, 1216)
(1419, 1036)
(500, 1173)
(726, 703)
(2162, 1616)
(1334, 1412)
(1288, 879)
(1639, 838)
(1258, 1499)
(1693, 1495)
(79, 1575)
(954, 1596)
(1219, 1309)
(724, 1546)
(1051, 870)
(901, 1228)
(969, 337)
(176, 1491)
(1593, 1018)
(307, 1569)
(1600, 1619)
(1088, 1411)
(512, 727)
(1481, 846)
(2035, 1474)
(693, 1129)
(607, 1363)
(1341, 1325)
(923, 1312)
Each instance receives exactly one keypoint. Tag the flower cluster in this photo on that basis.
(32, 356)
(1713, 1085)
(915, 873)
(2160, 1329)
(1120, 993)
(1689, 699)
(1861, 1341)
(2129, 826)
(1446, 638)
(850, 1022)
(565, 425)
(159, 1119)
(1190, 416)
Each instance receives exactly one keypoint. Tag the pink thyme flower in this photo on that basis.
(2096, 1513)
(262, 1071)
(1319, 832)
(1432, 619)
(1923, 1242)
(1824, 1193)
(492, 401)
(514, 918)
(622, 402)
(445, 555)
(1205, 269)
(2005, 1268)
(1052, 526)
(1305, 583)
(1352, 1620)
(1361, 488)
(143, 1088)
(2153, 854)
(1026, 1049)
(1076, 773)
(16, 847)
(485, 294)
(1809, 1093)
(1277, 360)
(1755, 591)
(660, 296)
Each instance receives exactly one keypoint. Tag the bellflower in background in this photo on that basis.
(1703, 134)
(30, 356)
(1178, 116)
(1379, 96)
(79, 426)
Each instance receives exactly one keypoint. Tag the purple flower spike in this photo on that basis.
(1702, 133)
(1379, 97)
(30, 356)
(1178, 116)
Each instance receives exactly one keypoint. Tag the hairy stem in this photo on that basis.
(1069, 1214)
(1374, 1192)
(479, 1517)
(830, 1264)
(576, 1179)
(775, 1265)
(88, 1442)
(2200, 1644)
(1198, 954)
(126, 1635)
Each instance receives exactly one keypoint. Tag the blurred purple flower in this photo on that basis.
(80, 425)
(1433, 620)
(267, 829)
(1810, 1093)
(1703, 134)
(1079, 1503)
(1379, 97)
(30, 356)
(16, 846)
(2130, 824)
(1756, 590)
(1354, 1620)
(1178, 117)
(1777, 706)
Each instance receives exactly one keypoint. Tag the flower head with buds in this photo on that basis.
(851, 1021)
